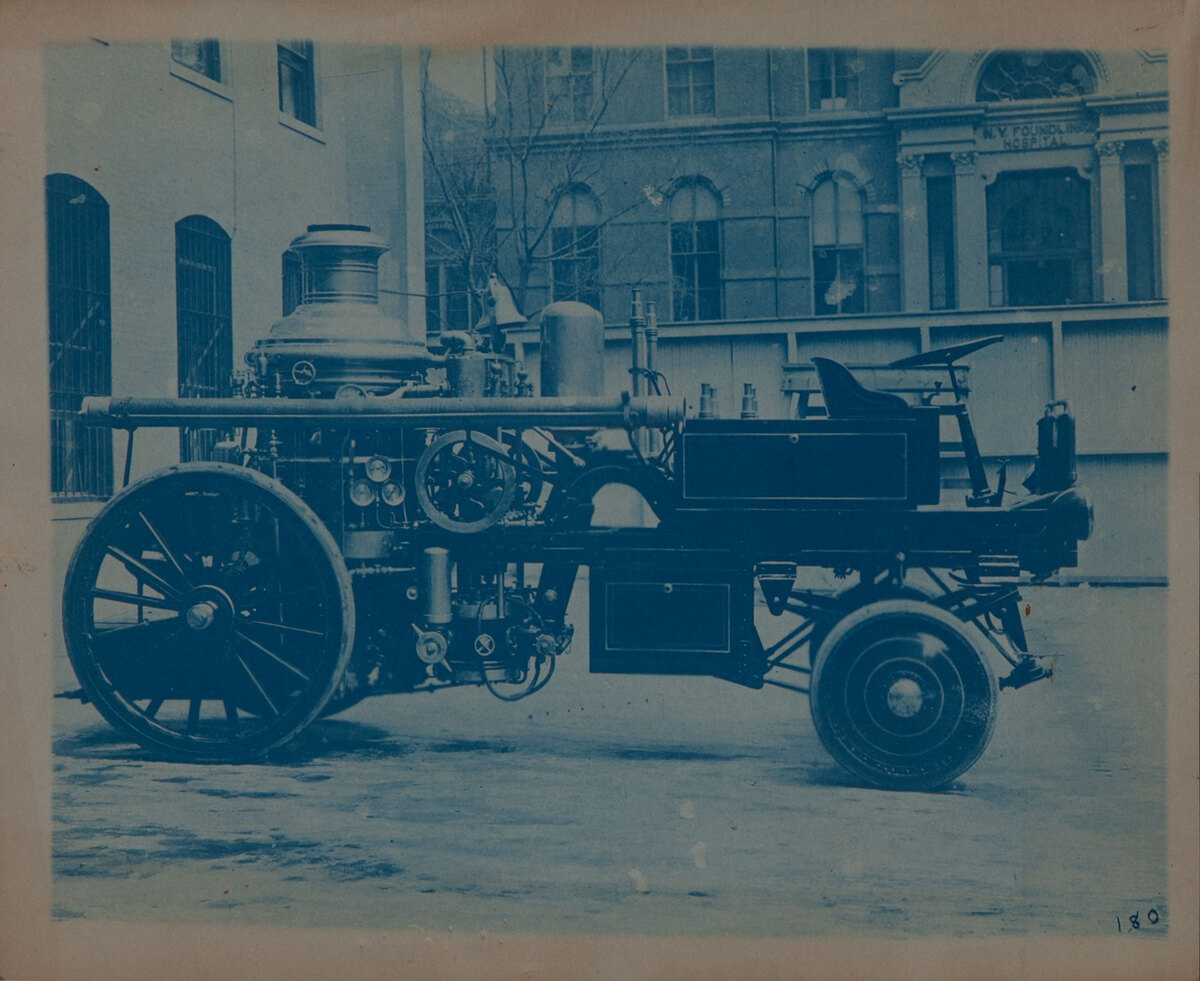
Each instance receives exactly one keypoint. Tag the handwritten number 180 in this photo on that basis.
(1135, 922)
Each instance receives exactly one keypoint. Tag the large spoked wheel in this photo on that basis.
(208, 613)
(464, 481)
(903, 695)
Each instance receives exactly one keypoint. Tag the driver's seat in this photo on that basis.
(845, 397)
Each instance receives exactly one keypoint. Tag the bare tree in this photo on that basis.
(498, 183)
(460, 208)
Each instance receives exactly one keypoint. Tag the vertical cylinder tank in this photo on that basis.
(572, 349)
(435, 586)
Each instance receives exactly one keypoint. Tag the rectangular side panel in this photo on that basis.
(889, 462)
(667, 619)
(797, 467)
(667, 616)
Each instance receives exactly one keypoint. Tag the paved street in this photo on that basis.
(653, 806)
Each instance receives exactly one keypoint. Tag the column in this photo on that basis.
(970, 232)
(914, 232)
(1161, 147)
(1114, 279)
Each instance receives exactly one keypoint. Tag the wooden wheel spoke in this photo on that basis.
(151, 710)
(134, 599)
(143, 573)
(257, 684)
(193, 719)
(144, 630)
(275, 597)
(231, 716)
(167, 553)
(272, 655)
(286, 628)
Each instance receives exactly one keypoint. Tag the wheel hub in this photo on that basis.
(209, 610)
(202, 615)
(904, 698)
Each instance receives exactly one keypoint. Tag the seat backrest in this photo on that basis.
(845, 398)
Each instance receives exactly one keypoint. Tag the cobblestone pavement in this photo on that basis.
(657, 806)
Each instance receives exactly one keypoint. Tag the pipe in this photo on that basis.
(652, 383)
(637, 331)
(651, 338)
(435, 413)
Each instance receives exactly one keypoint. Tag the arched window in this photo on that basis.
(1010, 75)
(695, 253)
(77, 273)
(204, 321)
(837, 239)
(1039, 238)
(575, 245)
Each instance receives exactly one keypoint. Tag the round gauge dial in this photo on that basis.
(362, 493)
(378, 469)
(392, 494)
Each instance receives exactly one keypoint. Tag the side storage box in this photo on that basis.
(811, 463)
(659, 618)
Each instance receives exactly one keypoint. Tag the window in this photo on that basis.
(204, 322)
(570, 81)
(1141, 240)
(837, 236)
(203, 56)
(297, 81)
(690, 89)
(77, 273)
(833, 78)
(695, 234)
(575, 244)
(1013, 75)
(449, 304)
(1039, 239)
(939, 200)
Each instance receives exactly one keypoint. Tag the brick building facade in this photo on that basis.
(865, 205)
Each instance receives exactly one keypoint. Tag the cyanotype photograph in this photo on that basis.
(674, 492)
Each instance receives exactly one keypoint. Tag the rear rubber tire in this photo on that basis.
(902, 695)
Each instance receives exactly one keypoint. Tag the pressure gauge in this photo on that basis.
(362, 492)
(392, 494)
(378, 469)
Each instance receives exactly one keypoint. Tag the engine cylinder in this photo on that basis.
(435, 586)
(572, 350)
